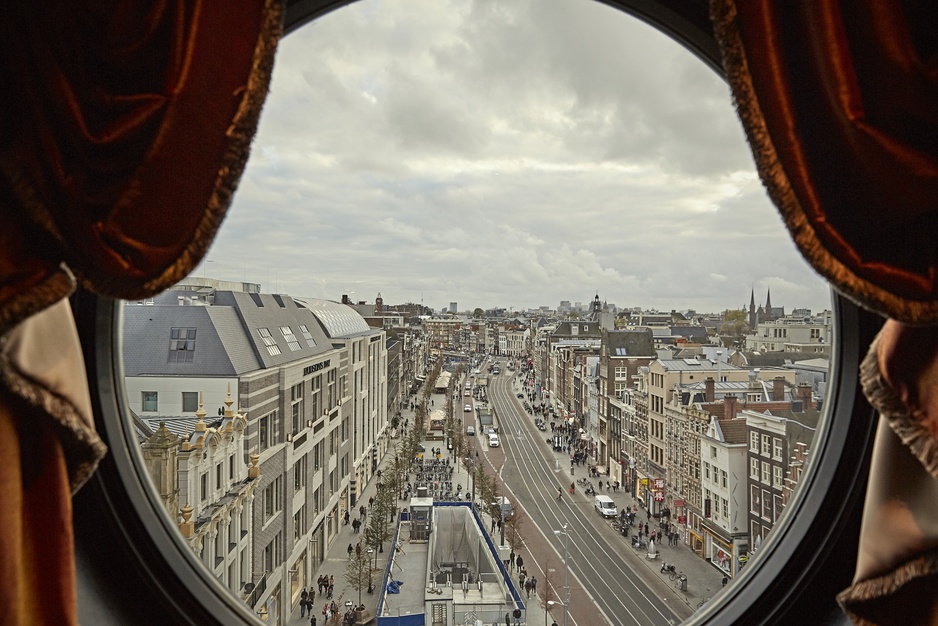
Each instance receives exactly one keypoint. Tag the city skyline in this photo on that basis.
(430, 147)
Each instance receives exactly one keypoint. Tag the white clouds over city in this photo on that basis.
(503, 154)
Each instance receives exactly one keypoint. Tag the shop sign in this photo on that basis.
(659, 484)
(681, 519)
(659, 496)
(678, 503)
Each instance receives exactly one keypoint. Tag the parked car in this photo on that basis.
(467, 408)
(493, 441)
(471, 430)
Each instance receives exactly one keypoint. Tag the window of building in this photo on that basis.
(181, 345)
(268, 557)
(263, 432)
(726, 508)
(723, 478)
(150, 401)
(231, 467)
(777, 476)
(307, 336)
(299, 473)
(220, 476)
(269, 342)
(766, 473)
(776, 448)
(753, 441)
(190, 401)
(299, 524)
(203, 487)
(290, 338)
(755, 501)
(273, 498)
(766, 445)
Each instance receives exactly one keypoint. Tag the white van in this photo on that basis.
(605, 506)
(493, 440)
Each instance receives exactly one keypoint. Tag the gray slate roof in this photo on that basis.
(633, 343)
(228, 340)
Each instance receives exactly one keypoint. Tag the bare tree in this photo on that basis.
(358, 572)
(513, 527)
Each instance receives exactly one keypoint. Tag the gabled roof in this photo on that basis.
(735, 430)
(632, 343)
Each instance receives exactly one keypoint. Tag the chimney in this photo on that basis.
(804, 393)
(729, 406)
(709, 394)
(345, 299)
(778, 389)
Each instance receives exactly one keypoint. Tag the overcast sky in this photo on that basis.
(503, 154)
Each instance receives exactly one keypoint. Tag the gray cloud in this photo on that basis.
(503, 154)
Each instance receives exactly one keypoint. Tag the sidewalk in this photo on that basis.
(337, 555)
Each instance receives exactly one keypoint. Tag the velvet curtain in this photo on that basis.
(840, 105)
(124, 128)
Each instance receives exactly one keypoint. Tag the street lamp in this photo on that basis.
(550, 603)
(371, 585)
(566, 588)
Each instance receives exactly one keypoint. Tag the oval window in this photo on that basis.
(500, 166)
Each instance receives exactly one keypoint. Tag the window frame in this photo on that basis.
(789, 576)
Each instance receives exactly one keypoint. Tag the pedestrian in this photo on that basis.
(350, 548)
(559, 493)
(519, 563)
(507, 619)
(304, 595)
(521, 578)
(312, 618)
(571, 487)
(725, 580)
(511, 560)
(319, 584)
(311, 601)
(534, 584)
(527, 587)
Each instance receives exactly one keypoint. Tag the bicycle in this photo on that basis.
(674, 575)
(702, 603)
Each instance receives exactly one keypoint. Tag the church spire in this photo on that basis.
(768, 301)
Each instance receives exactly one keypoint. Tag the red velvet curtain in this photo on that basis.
(124, 127)
(840, 103)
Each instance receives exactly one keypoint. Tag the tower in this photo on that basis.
(379, 305)
(768, 305)
(752, 309)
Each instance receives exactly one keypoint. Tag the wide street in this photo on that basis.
(604, 572)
